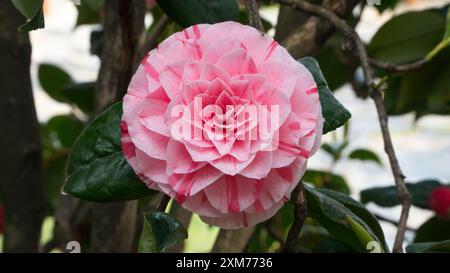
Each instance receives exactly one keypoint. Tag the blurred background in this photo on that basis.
(422, 142)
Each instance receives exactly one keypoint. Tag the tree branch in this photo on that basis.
(150, 39)
(390, 221)
(165, 199)
(300, 212)
(304, 34)
(253, 15)
(398, 67)
(377, 95)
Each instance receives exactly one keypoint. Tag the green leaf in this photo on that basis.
(160, 232)
(386, 4)
(433, 230)
(437, 247)
(190, 12)
(332, 215)
(89, 12)
(407, 37)
(336, 66)
(81, 94)
(95, 4)
(362, 234)
(335, 149)
(387, 196)
(445, 41)
(323, 179)
(363, 154)
(333, 111)
(361, 211)
(32, 10)
(28, 8)
(37, 22)
(405, 91)
(53, 80)
(97, 169)
(329, 244)
(63, 130)
(60, 86)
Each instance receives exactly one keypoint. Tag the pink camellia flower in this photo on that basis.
(222, 119)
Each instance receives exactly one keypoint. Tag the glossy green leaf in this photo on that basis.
(190, 12)
(433, 230)
(160, 232)
(363, 235)
(436, 247)
(333, 111)
(366, 155)
(97, 169)
(387, 196)
(408, 37)
(332, 215)
(361, 211)
(324, 179)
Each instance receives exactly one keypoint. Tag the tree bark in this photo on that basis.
(303, 34)
(21, 179)
(114, 226)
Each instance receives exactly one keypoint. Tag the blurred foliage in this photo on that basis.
(387, 196)
(33, 12)
(190, 12)
(435, 247)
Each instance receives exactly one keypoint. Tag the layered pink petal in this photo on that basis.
(222, 119)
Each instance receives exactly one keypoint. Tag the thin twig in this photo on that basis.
(377, 96)
(398, 67)
(253, 15)
(391, 67)
(300, 212)
(390, 221)
(162, 206)
(150, 40)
